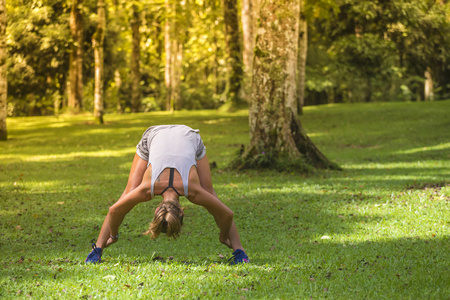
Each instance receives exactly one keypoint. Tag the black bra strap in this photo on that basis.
(172, 172)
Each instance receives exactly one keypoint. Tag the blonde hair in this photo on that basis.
(168, 219)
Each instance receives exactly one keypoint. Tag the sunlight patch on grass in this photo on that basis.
(70, 155)
(316, 134)
(216, 121)
(424, 149)
(432, 164)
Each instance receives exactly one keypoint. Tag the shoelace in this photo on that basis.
(94, 247)
(94, 251)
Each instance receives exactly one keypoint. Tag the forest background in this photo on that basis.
(197, 54)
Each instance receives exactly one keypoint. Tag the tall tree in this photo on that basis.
(3, 81)
(277, 138)
(75, 101)
(135, 59)
(97, 41)
(235, 73)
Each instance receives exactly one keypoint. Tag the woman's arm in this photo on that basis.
(118, 211)
(204, 175)
(137, 171)
(221, 213)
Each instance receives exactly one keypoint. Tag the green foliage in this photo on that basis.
(38, 61)
(376, 50)
(358, 51)
(379, 229)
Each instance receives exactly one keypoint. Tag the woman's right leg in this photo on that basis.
(134, 180)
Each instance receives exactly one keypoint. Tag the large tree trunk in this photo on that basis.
(302, 55)
(135, 59)
(97, 41)
(3, 81)
(277, 138)
(75, 94)
(248, 16)
(233, 53)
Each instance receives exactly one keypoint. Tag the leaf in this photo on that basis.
(109, 277)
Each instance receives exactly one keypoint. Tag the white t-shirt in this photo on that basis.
(171, 146)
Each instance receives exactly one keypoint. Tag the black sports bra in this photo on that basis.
(172, 172)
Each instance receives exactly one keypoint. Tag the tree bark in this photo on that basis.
(277, 138)
(97, 41)
(3, 80)
(235, 72)
(75, 93)
(135, 60)
(302, 56)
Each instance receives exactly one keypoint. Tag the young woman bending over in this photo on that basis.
(170, 161)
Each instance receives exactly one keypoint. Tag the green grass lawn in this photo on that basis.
(379, 229)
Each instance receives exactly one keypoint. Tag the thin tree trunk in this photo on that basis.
(368, 97)
(177, 69)
(277, 138)
(75, 94)
(97, 41)
(234, 55)
(118, 83)
(302, 56)
(117, 75)
(248, 16)
(135, 61)
(168, 36)
(428, 90)
(3, 80)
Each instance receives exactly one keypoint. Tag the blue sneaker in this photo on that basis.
(95, 256)
(239, 257)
